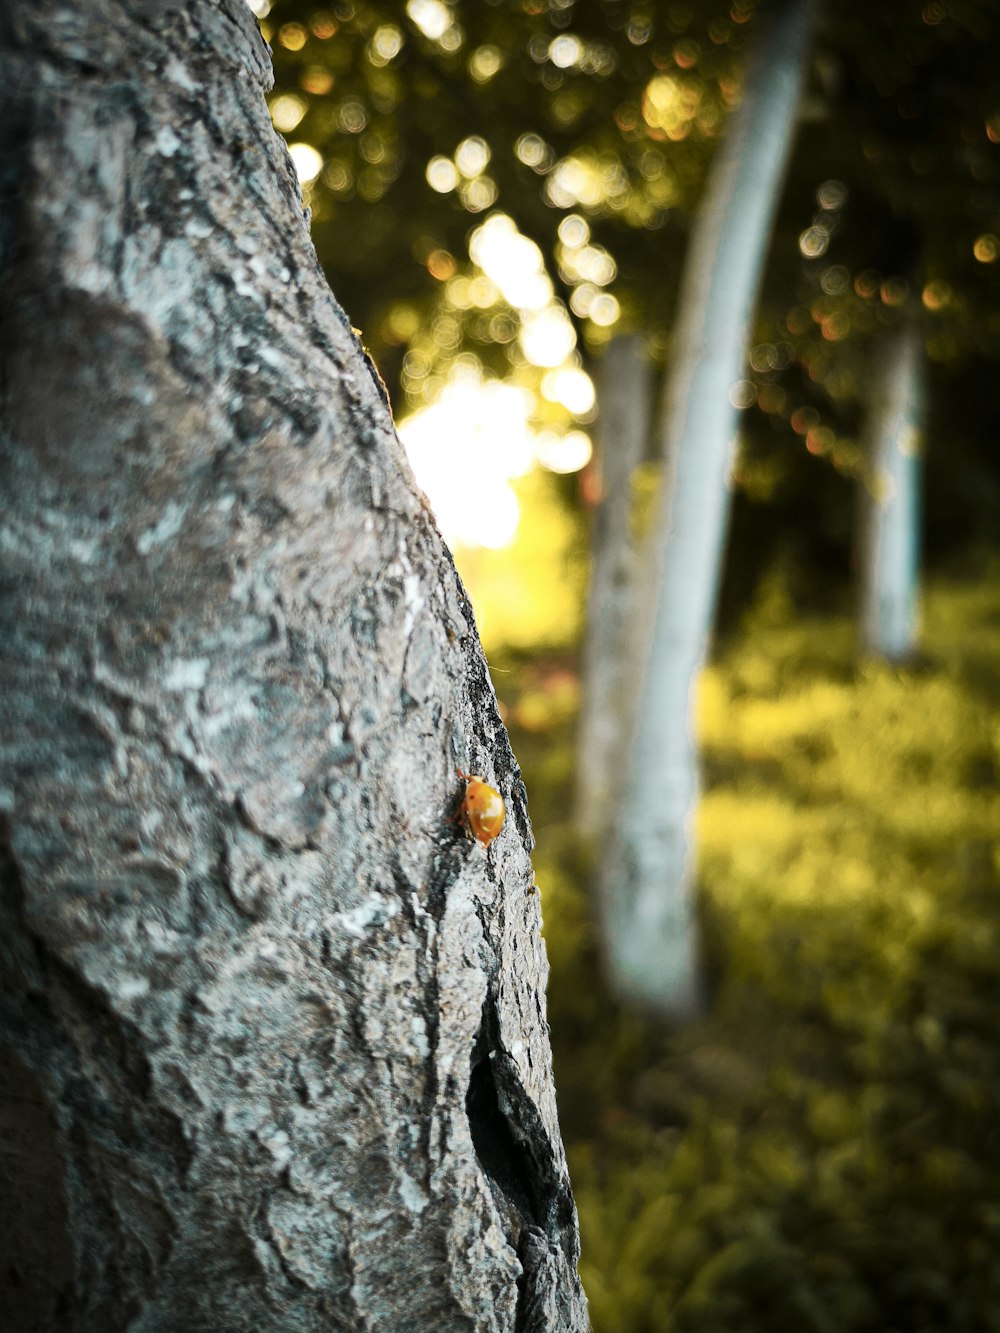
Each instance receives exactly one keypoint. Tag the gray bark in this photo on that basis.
(273, 1051)
(647, 878)
(890, 547)
(624, 394)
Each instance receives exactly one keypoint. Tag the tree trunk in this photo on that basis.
(647, 892)
(624, 394)
(890, 558)
(273, 1051)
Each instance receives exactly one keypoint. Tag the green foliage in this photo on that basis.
(821, 1153)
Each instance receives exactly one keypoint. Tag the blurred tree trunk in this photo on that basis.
(890, 541)
(624, 378)
(647, 878)
(273, 1050)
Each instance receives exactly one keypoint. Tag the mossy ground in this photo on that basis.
(821, 1153)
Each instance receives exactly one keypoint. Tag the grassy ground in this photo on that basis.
(821, 1154)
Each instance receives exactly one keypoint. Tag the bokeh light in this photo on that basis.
(431, 16)
(442, 174)
(485, 62)
(465, 449)
(472, 156)
(287, 110)
(513, 262)
(547, 336)
(564, 453)
(572, 387)
(307, 162)
(292, 36)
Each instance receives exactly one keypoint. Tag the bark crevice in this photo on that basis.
(506, 1162)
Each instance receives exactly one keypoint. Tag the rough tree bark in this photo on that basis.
(272, 1037)
(890, 538)
(647, 877)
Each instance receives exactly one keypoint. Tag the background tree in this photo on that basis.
(648, 879)
(625, 396)
(273, 1032)
(891, 522)
(892, 199)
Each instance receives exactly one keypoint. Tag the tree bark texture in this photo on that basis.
(624, 395)
(274, 1050)
(890, 539)
(647, 879)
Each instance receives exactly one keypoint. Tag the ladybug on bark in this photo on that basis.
(482, 808)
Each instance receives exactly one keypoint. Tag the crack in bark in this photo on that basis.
(506, 1164)
(530, 1191)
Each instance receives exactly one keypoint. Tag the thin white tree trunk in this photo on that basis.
(273, 1051)
(624, 394)
(647, 881)
(891, 501)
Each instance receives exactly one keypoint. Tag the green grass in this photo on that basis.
(820, 1154)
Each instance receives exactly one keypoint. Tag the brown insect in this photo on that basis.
(482, 808)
